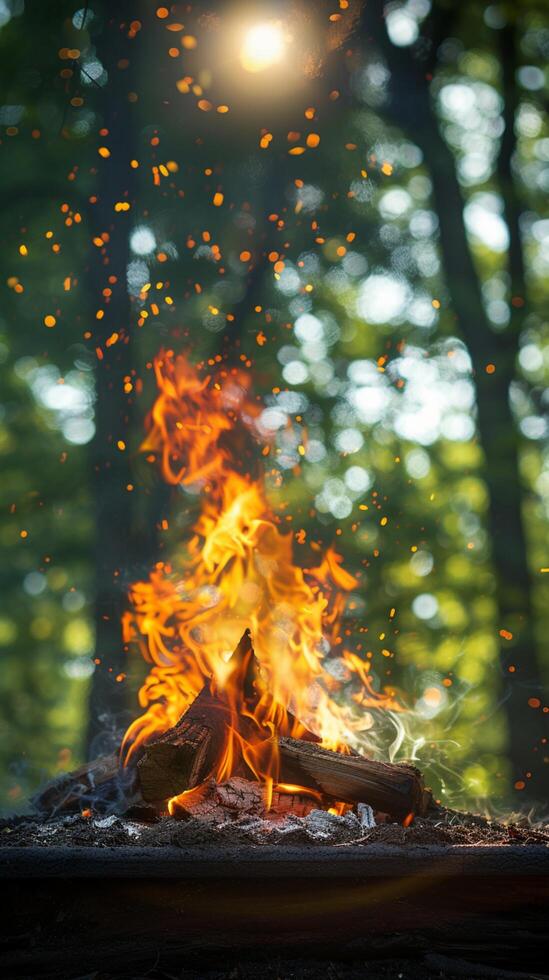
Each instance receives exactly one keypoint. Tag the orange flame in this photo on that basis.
(237, 572)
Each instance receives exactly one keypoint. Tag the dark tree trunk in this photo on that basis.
(507, 185)
(501, 446)
(236, 339)
(410, 108)
(110, 465)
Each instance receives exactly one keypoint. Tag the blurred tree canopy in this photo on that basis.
(363, 227)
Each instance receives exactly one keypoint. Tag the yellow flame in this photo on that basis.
(237, 572)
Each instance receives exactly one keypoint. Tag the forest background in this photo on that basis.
(363, 227)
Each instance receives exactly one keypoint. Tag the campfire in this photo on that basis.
(299, 774)
(242, 712)
(246, 807)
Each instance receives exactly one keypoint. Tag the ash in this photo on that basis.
(317, 827)
(234, 812)
(237, 807)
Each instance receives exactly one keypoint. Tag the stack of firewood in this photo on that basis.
(185, 756)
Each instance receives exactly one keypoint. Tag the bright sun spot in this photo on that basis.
(263, 46)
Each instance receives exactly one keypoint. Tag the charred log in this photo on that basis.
(221, 802)
(73, 790)
(394, 788)
(185, 755)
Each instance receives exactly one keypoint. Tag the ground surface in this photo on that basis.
(442, 827)
(428, 967)
(228, 908)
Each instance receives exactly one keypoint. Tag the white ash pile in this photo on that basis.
(239, 805)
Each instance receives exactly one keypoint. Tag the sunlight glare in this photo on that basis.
(263, 47)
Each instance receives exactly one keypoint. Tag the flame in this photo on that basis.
(237, 572)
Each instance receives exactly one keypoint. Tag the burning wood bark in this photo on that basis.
(185, 755)
(394, 788)
(167, 769)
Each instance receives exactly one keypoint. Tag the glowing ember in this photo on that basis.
(237, 572)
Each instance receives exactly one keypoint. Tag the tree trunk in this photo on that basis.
(501, 445)
(410, 107)
(236, 338)
(110, 467)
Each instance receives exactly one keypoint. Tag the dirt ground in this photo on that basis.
(441, 827)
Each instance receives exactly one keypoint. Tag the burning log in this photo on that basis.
(393, 788)
(186, 754)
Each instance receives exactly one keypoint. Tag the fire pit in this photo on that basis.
(222, 882)
(244, 713)
(214, 704)
(201, 905)
(244, 813)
